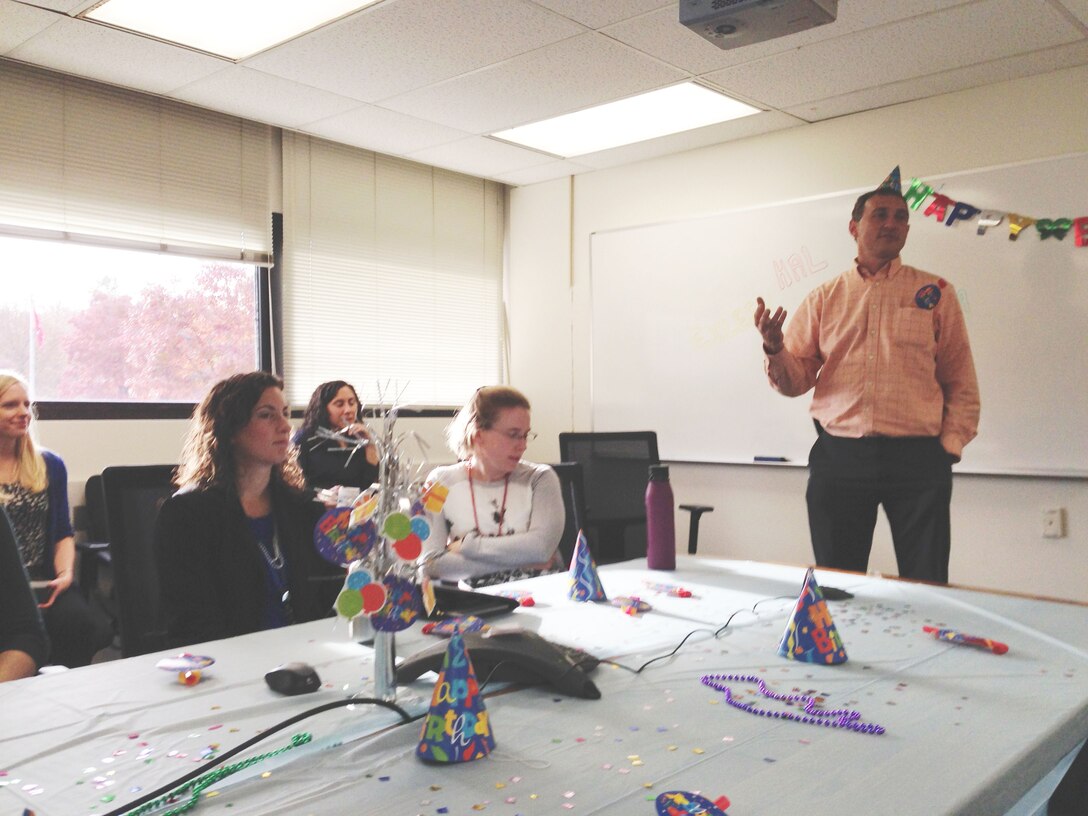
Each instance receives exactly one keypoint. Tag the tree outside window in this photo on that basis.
(93, 324)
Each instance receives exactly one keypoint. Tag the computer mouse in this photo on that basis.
(835, 594)
(293, 678)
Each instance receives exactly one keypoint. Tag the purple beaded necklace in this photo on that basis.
(839, 718)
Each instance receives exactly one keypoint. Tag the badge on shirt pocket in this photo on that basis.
(928, 296)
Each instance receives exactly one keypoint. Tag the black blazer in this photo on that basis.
(211, 574)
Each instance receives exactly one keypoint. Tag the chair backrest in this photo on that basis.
(615, 468)
(94, 500)
(133, 497)
(574, 502)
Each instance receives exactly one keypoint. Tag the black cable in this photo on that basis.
(249, 743)
(716, 633)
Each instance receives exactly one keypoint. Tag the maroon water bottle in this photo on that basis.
(660, 522)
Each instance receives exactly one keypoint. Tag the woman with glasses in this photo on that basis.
(503, 517)
(235, 543)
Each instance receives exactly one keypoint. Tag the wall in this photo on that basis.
(88, 446)
(759, 511)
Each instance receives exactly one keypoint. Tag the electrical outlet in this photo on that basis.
(1054, 522)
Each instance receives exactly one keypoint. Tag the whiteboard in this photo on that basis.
(674, 348)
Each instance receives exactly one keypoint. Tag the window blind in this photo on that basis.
(78, 158)
(392, 276)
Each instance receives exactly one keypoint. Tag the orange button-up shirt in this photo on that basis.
(888, 355)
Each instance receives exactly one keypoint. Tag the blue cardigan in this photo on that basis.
(59, 524)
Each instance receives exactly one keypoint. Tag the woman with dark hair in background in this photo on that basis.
(503, 516)
(328, 462)
(235, 543)
(34, 492)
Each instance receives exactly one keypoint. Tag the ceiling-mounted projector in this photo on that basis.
(733, 23)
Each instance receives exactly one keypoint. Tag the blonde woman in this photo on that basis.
(34, 492)
(503, 517)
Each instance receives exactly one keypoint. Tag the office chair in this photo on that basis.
(94, 550)
(574, 503)
(133, 497)
(616, 468)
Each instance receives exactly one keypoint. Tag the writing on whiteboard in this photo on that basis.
(796, 266)
(735, 322)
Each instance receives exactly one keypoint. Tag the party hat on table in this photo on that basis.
(585, 584)
(893, 181)
(457, 728)
(686, 803)
(810, 635)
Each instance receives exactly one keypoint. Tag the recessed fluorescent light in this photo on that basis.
(626, 121)
(230, 28)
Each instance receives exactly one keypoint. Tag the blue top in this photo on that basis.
(59, 524)
(41, 519)
(276, 611)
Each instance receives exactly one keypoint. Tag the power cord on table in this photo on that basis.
(210, 773)
(715, 633)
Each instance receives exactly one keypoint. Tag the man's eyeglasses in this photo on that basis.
(515, 436)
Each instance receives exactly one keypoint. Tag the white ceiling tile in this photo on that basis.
(18, 23)
(542, 172)
(382, 130)
(1039, 62)
(945, 41)
(64, 6)
(480, 156)
(597, 14)
(404, 44)
(661, 34)
(115, 57)
(1078, 8)
(263, 98)
(427, 76)
(563, 77)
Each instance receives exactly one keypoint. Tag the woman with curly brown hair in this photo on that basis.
(235, 543)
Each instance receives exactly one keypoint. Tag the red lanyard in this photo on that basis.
(502, 510)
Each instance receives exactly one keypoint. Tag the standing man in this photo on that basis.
(895, 401)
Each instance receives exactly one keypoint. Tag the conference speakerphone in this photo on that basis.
(518, 656)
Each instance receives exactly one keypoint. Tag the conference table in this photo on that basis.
(966, 731)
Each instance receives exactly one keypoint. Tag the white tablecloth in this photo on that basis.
(968, 732)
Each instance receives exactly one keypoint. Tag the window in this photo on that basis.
(392, 276)
(101, 324)
(88, 168)
(391, 272)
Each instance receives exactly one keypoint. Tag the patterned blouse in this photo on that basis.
(29, 514)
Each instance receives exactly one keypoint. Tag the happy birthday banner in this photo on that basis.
(949, 211)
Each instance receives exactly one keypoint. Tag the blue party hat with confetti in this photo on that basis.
(686, 803)
(457, 728)
(810, 635)
(585, 584)
(893, 181)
